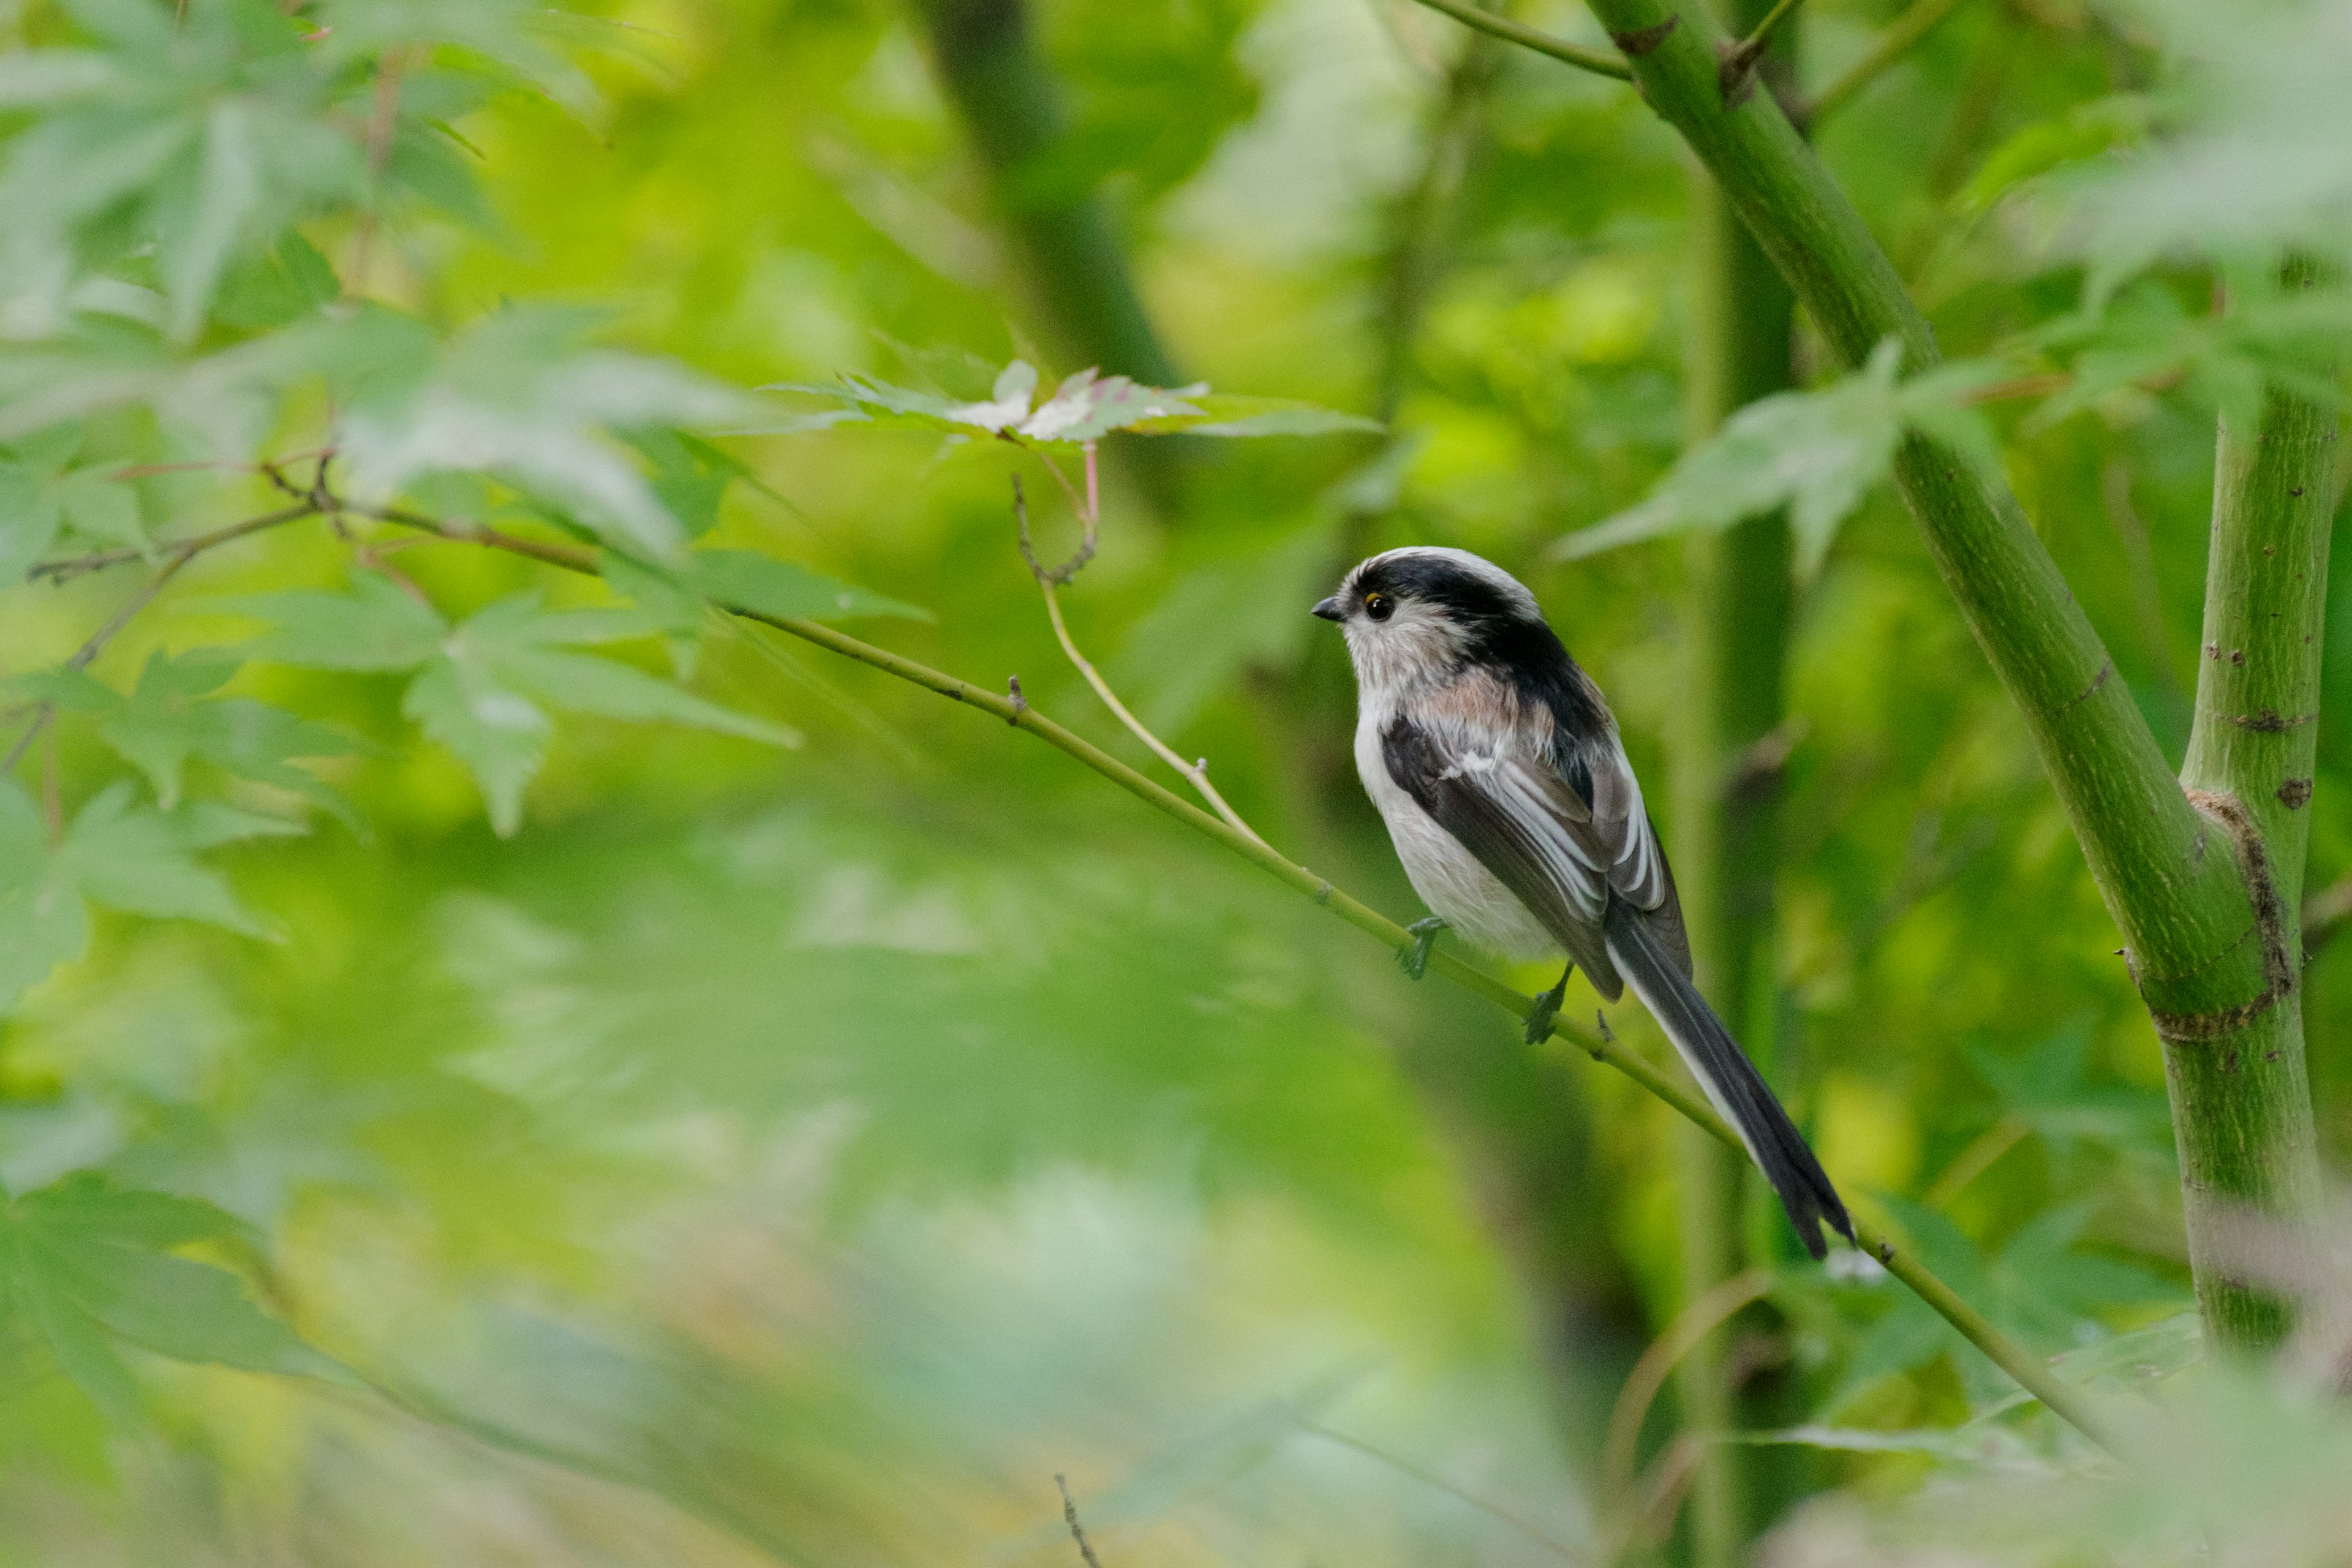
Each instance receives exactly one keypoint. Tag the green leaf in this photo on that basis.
(1816, 453)
(498, 734)
(517, 395)
(88, 1265)
(375, 626)
(30, 520)
(116, 854)
(486, 696)
(1230, 414)
(1085, 407)
(165, 720)
(2084, 131)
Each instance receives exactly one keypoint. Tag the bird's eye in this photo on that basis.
(1379, 606)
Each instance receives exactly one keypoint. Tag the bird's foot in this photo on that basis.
(1414, 959)
(1547, 1008)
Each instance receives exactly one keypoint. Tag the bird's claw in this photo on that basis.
(1547, 1008)
(1414, 959)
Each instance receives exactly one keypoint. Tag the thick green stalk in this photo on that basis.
(1735, 629)
(1072, 260)
(2241, 1100)
(2164, 867)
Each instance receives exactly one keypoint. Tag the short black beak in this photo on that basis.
(1329, 610)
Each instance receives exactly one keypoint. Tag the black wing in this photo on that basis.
(1564, 839)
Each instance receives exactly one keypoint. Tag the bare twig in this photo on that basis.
(73, 566)
(1598, 61)
(1196, 773)
(88, 650)
(1698, 1321)
(1900, 36)
(1078, 1531)
(1058, 576)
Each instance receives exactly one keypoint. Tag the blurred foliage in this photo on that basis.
(766, 1114)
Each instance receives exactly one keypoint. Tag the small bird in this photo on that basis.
(1495, 761)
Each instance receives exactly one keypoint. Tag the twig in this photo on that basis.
(138, 601)
(1904, 32)
(1698, 1321)
(73, 566)
(1196, 772)
(1057, 576)
(1078, 1531)
(1439, 1483)
(1598, 61)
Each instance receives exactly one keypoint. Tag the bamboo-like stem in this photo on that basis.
(1736, 605)
(1599, 62)
(2241, 1099)
(2165, 868)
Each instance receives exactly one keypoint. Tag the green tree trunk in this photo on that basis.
(1735, 630)
(2198, 911)
(2241, 1099)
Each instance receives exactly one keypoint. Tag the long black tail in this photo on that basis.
(1731, 1081)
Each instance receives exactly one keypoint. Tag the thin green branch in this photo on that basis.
(1599, 62)
(2241, 1096)
(1898, 40)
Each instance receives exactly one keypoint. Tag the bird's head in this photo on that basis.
(1421, 615)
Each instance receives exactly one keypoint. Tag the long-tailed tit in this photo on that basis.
(1496, 762)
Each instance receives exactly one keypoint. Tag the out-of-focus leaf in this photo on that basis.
(517, 395)
(89, 1264)
(1085, 407)
(2250, 160)
(167, 719)
(2084, 131)
(483, 688)
(123, 856)
(375, 626)
(1232, 414)
(1816, 453)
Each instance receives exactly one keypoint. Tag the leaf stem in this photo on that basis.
(1598, 61)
